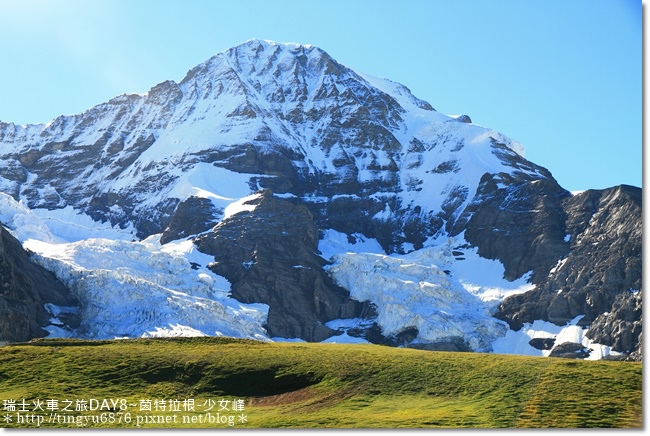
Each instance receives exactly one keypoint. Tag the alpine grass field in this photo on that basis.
(220, 382)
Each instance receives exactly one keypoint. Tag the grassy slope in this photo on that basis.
(319, 385)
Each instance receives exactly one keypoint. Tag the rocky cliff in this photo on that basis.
(269, 253)
(30, 296)
(598, 266)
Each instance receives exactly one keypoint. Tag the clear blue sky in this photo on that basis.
(562, 77)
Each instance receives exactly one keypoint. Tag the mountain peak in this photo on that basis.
(357, 162)
(288, 115)
(258, 51)
(266, 43)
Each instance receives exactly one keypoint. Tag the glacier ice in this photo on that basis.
(413, 291)
(133, 289)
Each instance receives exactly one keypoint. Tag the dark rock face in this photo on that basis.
(270, 255)
(517, 219)
(24, 290)
(456, 344)
(570, 350)
(603, 261)
(192, 216)
(542, 343)
(622, 327)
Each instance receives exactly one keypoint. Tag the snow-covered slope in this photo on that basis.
(289, 115)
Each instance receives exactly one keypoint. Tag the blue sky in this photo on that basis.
(562, 77)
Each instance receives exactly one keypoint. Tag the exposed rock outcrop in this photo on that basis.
(463, 119)
(192, 216)
(25, 289)
(269, 253)
(570, 350)
(602, 265)
(622, 327)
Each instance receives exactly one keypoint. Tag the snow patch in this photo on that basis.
(333, 243)
(560, 263)
(173, 330)
(241, 205)
(479, 276)
(345, 339)
(517, 342)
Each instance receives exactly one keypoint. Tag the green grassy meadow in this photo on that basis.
(196, 382)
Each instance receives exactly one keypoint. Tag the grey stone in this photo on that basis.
(270, 256)
(25, 288)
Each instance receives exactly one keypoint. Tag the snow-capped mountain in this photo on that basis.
(275, 193)
(285, 117)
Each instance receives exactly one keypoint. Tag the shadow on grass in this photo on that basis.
(258, 383)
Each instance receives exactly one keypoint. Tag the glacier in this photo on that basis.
(131, 288)
(142, 289)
